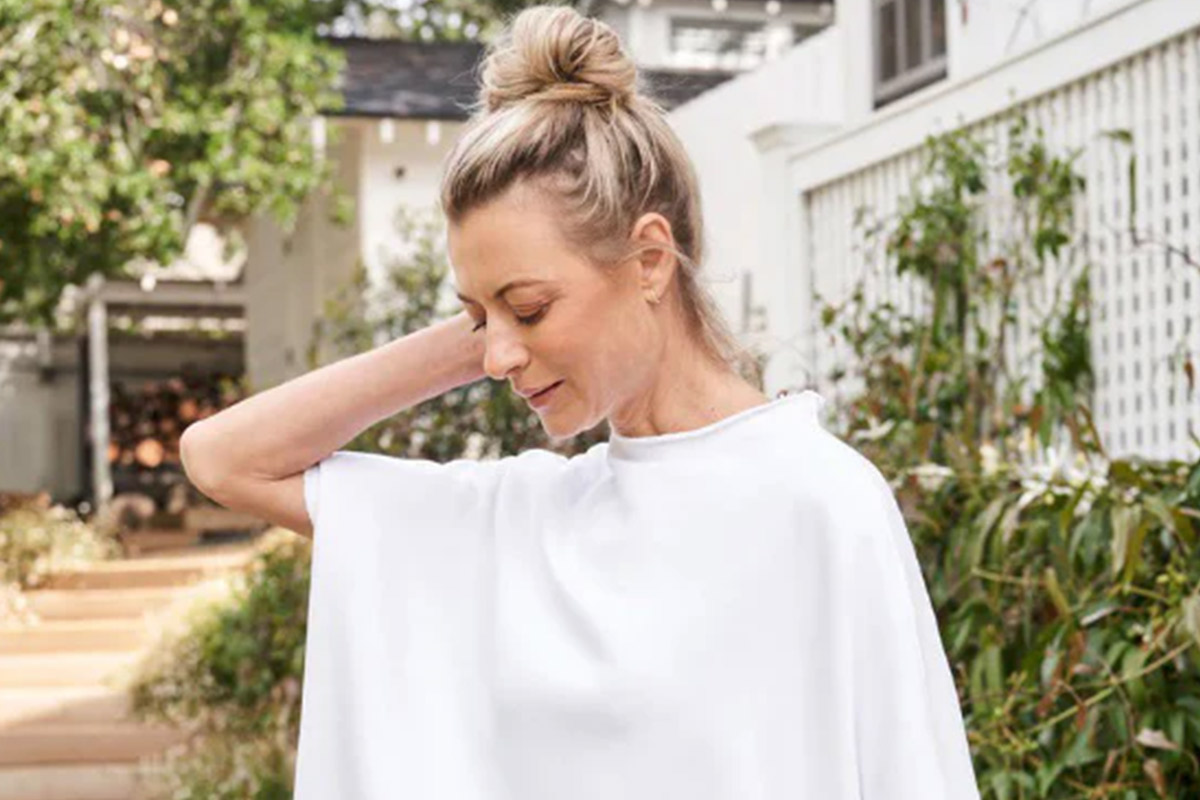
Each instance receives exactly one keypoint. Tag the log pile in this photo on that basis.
(145, 425)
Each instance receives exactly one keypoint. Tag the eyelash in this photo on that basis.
(530, 320)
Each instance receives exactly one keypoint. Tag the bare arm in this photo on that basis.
(251, 456)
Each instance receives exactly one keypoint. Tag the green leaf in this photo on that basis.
(1123, 519)
(1056, 594)
(1190, 616)
(1172, 519)
(1122, 135)
(1133, 662)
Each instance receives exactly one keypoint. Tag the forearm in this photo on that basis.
(285, 429)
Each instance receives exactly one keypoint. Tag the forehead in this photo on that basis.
(512, 238)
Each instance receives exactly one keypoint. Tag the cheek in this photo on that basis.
(601, 343)
(573, 351)
(620, 346)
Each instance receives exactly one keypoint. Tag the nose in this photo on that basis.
(503, 354)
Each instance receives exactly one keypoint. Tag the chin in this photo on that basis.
(556, 428)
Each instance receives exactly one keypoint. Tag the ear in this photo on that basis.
(657, 262)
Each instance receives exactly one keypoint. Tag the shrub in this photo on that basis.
(37, 538)
(1068, 597)
(1066, 584)
(233, 679)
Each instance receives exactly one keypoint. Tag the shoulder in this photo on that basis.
(366, 468)
(834, 482)
(532, 464)
(349, 479)
(540, 467)
(834, 462)
(359, 487)
(800, 445)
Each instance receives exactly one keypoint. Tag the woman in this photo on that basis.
(719, 602)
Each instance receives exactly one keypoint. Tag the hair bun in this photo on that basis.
(554, 53)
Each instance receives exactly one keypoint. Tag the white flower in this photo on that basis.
(1033, 490)
(876, 431)
(931, 476)
(1085, 504)
(990, 458)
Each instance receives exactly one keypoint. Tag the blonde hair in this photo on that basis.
(559, 107)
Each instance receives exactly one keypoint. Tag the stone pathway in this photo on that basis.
(66, 732)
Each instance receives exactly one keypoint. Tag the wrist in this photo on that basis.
(467, 348)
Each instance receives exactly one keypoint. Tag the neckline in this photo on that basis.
(680, 442)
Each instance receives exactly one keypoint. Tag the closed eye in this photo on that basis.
(533, 319)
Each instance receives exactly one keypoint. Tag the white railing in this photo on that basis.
(1136, 68)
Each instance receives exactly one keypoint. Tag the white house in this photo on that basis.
(734, 35)
(795, 114)
(836, 123)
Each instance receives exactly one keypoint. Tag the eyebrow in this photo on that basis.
(506, 287)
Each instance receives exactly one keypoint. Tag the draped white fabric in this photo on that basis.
(733, 612)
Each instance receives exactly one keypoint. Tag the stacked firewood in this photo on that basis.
(145, 423)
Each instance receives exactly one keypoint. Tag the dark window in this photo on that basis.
(938, 27)
(913, 45)
(910, 46)
(888, 45)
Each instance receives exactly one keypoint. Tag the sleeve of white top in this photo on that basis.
(912, 742)
(405, 540)
(312, 491)
(348, 486)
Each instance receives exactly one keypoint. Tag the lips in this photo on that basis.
(543, 391)
(530, 395)
(544, 397)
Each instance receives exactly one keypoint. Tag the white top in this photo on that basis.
(734, 612)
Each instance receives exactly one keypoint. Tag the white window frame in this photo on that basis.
(930, 68)
(749, 25)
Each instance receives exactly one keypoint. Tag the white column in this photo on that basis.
(98, 391)
(855, 28)
(786, 273)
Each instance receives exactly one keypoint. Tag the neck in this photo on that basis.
(689, 391)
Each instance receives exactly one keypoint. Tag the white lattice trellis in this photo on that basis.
(1146, 293)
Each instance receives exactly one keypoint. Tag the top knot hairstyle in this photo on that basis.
(559, 107)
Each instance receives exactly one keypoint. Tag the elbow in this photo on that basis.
(195, 453)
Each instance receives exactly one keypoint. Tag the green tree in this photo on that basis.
(124, 123)
(427, 20)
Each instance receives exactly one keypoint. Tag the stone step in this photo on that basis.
(80, 604)
(149, 572)
(66, 726)
(152, 541)
(65, 636)
(64, 669)
(201, 552)
(76, 782)
(209, 518)
(87, 704)
(36, 743)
